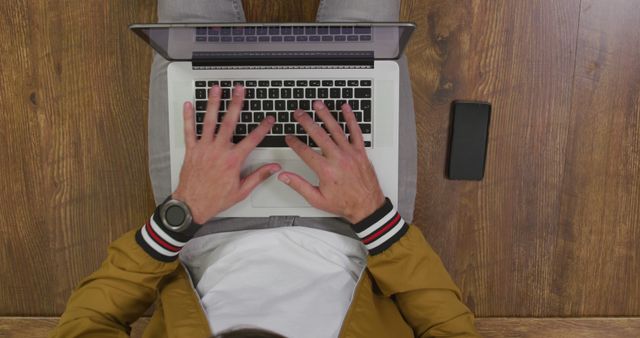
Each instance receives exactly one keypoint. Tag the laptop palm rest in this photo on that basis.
(274, 194)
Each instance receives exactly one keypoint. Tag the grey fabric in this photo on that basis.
(232, 11)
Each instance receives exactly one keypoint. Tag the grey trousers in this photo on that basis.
(232, 11)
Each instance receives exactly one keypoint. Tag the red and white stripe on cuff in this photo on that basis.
(380, 230)
(157, 242)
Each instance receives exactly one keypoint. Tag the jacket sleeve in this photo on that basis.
(406, 268)
(107, 302)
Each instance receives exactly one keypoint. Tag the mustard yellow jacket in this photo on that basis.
(405, 291)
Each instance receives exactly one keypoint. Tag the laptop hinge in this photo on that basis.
(262, 59)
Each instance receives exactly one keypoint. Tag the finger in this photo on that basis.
(314, 160)
(310, 192)
(189, 125)
(256, 177)
(319, 136)
(211, 118)
(337, 134)
(232, 115)
(255, 137)
(355, 134)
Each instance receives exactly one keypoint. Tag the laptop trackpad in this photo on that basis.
(274, 194)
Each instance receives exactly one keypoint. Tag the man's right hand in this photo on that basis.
(348, 184)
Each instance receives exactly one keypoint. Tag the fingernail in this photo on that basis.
(270, 119)
(298, 113)
(284, 178)
(273, 170)
(318, 104)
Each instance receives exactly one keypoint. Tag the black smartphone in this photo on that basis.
(468, 140)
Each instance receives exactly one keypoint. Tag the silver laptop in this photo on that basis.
(285, 66)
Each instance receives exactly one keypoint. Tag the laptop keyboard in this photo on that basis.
(279, 98)
(284, 34)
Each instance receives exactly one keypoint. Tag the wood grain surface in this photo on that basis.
(552, 230)
(36, 327)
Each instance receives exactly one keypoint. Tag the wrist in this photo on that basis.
(381, 229)
(367, 209)
(197, 215)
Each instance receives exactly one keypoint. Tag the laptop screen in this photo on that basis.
(220, 42)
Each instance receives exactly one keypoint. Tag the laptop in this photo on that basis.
(285, 66)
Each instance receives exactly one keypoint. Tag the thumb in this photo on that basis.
(310, 192)
(256, 177)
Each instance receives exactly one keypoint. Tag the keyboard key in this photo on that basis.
(352, 38)
(347, 93)
(238, 83)
(362, 30)
(225, 83)
(323, 93)
(267, 105)
(289, 38)
(201, 83)
(339, 103)
(314, 83)
(363, 93)
(340, 83)
(201, 105)
(289, 128)
(304, 104)
(323, 30)
(263, 83)
(367, 143)
(298, 30)
(334, 93)
(285, 30)
(199, 117)
(201, 93)
(331, 104)
(274, 30)
(246, 117)
(277, 128)
(251, 127)
(347, 30)
(213, 83)
(214, 30)
(352, 83)
(300, 129)
(365, 83)
(358, 115)
(245, 105)
(261, 93)
(314, 38)
(289, 83)
(302, 138)
(312, 143)
(272, 114)
(249, 30)
(237, 30)
(201, 38)
(280, 105)
(255, 105)
(283, 116)
(262, 31)
(274, 93)
(327, 83)
(327, 38)
(292, 104)
(355, 104)
(285, 93)
(249, 93)
(365, 127)
(252, 39)
(220, 117)
(226, 39)
(334, 30)
(276, 83)
(198, 128)
(366, 116)
(241, 129)
(365, 37)
(301, 83)
(340, 38)
(214, 39)
(238, 39)
(310, 93)
(273, 142)
(301, 38)
(276, 39)
(298, 93)
(258, 116)
(310, 30)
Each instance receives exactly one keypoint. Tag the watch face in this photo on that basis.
(175, 215)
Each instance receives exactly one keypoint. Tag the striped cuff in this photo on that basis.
(381, 229)
(160, 242)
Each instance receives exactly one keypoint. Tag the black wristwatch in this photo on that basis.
(175, 215)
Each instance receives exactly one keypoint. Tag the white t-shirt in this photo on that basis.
(295, 281)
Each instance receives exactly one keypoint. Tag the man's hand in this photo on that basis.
(210, 179)
(348, 184)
